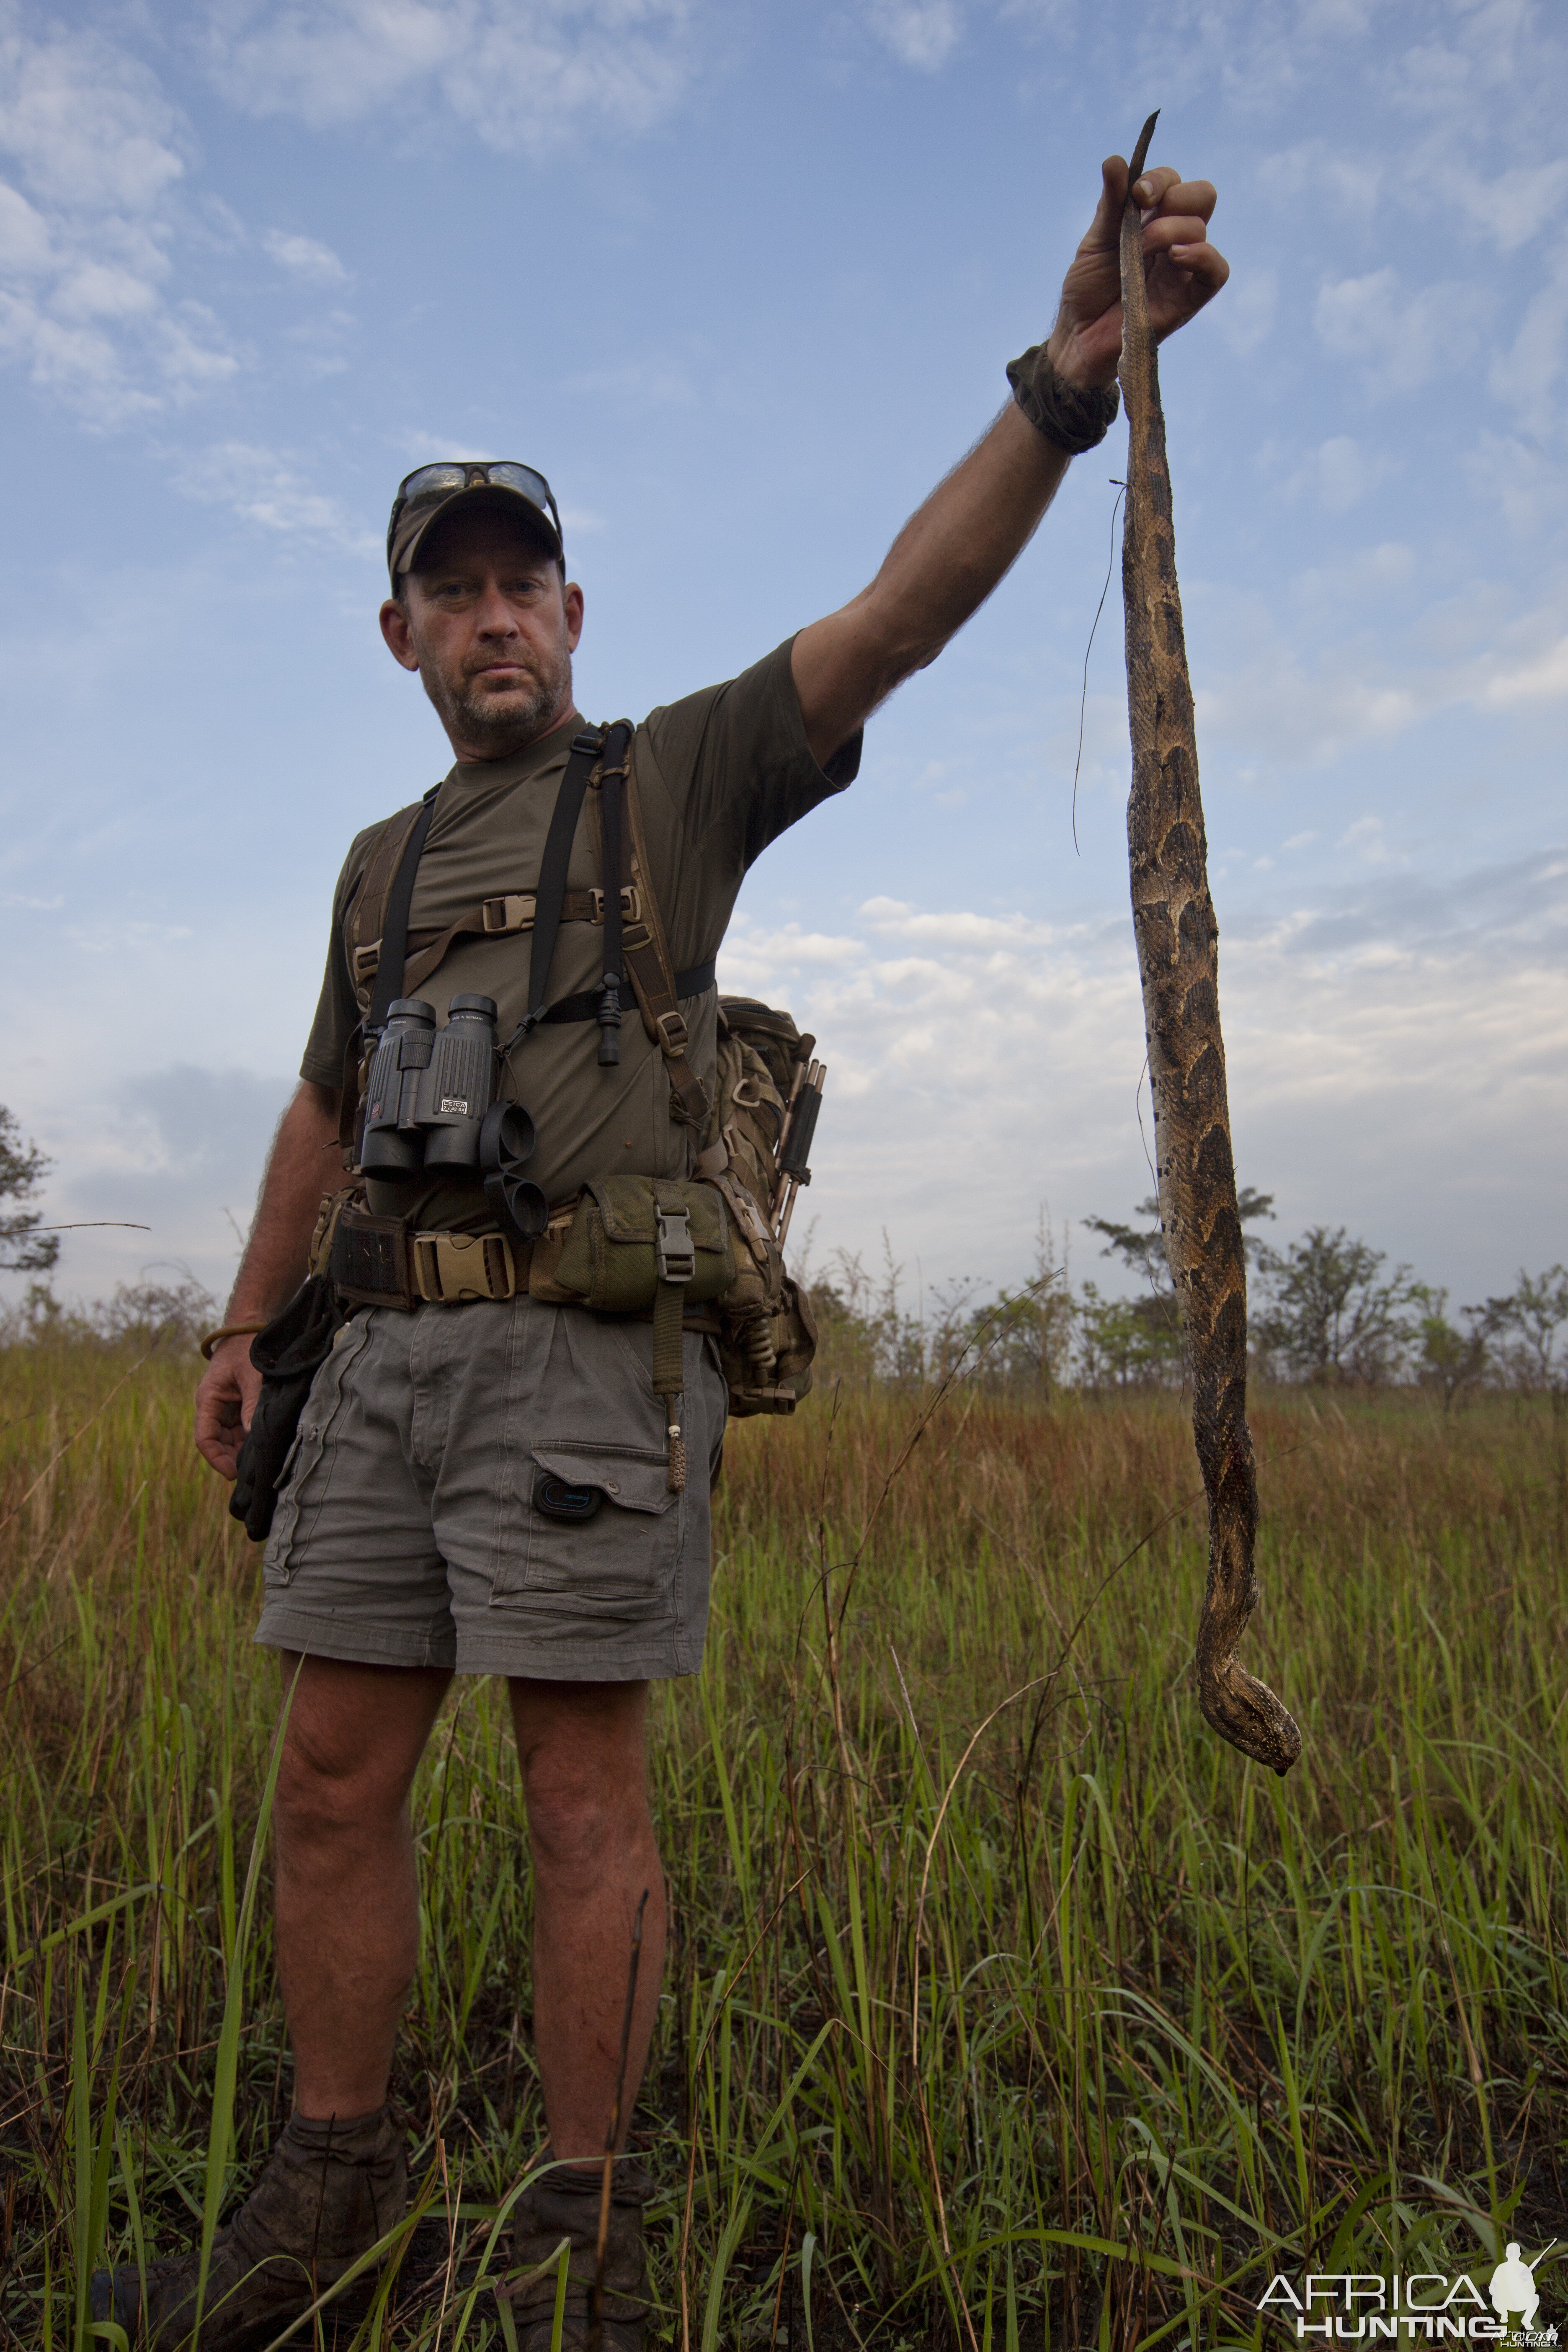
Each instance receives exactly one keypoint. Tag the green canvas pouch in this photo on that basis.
(611, 1257)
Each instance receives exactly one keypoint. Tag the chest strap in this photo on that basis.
(587, 1002)
(493, 918)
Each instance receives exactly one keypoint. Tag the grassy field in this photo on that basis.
(1005, 2009)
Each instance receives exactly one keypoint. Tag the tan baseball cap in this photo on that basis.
(432, 491)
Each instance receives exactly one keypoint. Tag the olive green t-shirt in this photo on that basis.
(720, 774)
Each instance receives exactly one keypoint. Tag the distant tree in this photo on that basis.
(1139, 1341)
(175, 1312)
(1331, 1313)
(23, 1248)
(1449, 1361)
(1142, 1248)
(1022, 1339)
(1526, 1329)
(1129, 1342)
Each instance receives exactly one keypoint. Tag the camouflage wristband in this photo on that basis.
(211, 1339)
(1074, 419)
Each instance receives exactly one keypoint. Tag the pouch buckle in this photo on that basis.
(673, 1245)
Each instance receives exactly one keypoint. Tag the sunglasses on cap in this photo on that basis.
(431, 486)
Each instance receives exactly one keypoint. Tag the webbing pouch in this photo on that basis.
(626, 1225)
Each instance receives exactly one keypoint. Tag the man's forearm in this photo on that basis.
(302, 1165)
(948, 557)
(943, 565)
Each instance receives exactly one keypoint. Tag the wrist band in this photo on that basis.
(1074, 418)
(227, 1332)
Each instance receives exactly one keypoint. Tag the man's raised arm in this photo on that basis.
(953, 552)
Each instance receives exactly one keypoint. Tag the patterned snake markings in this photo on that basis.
(1174, 919)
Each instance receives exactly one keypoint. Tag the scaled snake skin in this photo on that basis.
(1173, 919)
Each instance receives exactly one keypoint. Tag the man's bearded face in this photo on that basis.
(488, 621)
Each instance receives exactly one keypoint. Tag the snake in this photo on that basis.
(1177, 939)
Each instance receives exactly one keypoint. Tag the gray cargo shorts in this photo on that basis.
(406, 1532)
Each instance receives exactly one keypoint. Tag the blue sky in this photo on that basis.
(743, 279)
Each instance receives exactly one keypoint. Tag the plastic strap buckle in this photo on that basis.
(451, 1267)
(631, 904)
(673, 1034)
(673, 1245)
(514, 913)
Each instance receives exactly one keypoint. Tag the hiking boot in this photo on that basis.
(565, 2204)
(327, 2192)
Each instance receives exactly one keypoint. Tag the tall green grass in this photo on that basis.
(1006, 2007)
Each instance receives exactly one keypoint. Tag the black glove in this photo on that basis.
(287, 1354)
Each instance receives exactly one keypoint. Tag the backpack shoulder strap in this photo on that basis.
(383, 902)
(645, 951)
(366, 918)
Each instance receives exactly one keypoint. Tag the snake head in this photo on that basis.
(1247, 1713)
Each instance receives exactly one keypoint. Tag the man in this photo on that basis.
(409, 1541)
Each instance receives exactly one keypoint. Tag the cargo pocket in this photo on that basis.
(303, 1481)
(619, 1562)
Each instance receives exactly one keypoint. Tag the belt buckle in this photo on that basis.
(450, 1269)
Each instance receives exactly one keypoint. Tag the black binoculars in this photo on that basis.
(430, 1110)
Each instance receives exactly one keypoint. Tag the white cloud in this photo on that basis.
(1362, 571)
(1395, 1052)
(95, 154)
(1304, 717)
(1352, 184)
(1364, 839)
(1371, 686)
(1400, 339)
(1515, 206)
(1526, 374)
(304, 257)
(89, 128)
(266, 487)
(919, 33)
(1246, 314)
(1486, 47)
(524, 74)
(1543, 678)
(1340, 472)
(1528, 488)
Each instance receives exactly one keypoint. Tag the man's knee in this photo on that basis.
(577, 1821)
(353, 1736)
(323, 1798)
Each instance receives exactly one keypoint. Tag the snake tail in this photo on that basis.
(1174, 922)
